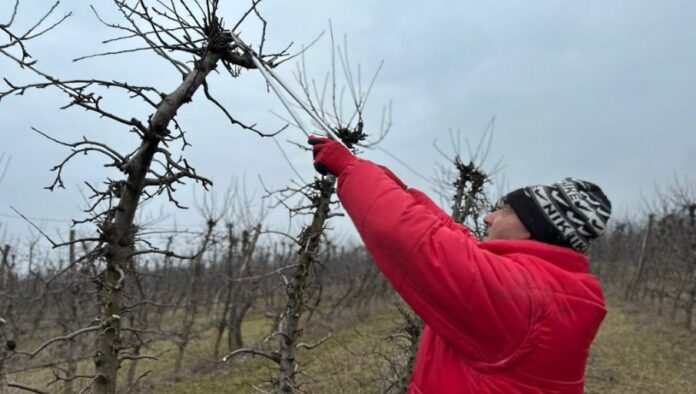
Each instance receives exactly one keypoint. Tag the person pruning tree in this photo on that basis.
(514, 313)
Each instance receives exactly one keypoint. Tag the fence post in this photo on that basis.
(638, 276)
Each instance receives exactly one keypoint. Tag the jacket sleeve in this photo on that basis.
(418, 196)
(478, 301)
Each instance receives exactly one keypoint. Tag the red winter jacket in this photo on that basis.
(500, 316)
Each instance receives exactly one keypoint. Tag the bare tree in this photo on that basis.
(240, 287)
(176, 32)
(350, 129)
(194, 301)
(465, 184)
(236, 268)
(315, 204)
(652, 258)
(640, 271)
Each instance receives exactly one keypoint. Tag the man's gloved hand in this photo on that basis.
(330, 157)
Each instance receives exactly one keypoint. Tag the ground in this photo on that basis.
(635, 351)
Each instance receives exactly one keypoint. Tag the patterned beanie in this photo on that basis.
(570, 213)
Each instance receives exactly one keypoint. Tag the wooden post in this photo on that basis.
(3, 357)
(4, 266)
(638, 276)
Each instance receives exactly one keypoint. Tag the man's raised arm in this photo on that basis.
(480, 302)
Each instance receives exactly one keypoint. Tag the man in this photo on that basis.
(515, 313)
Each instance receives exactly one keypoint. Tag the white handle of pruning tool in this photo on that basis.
(273, 80)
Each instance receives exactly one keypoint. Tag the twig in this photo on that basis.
(25, 388)
(57, 339)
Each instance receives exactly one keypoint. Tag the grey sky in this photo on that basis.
(601, 90)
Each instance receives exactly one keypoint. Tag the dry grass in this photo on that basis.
(635, 352)
(161, 370)
(638, 352)
(350, 362)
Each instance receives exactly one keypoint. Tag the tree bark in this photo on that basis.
(73, 345)
(119, 232)
(229, 271)
(241, 291)
(631, 289)
(3, 356)
(195, 297)
(290, 330)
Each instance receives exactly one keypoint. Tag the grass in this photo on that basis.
(634, 352)
(252, 329)
(640, 352)
(349, 362)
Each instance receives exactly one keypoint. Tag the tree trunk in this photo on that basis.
(689, 308)
(234, 326)
(632, 288)
(220, 330)
(4, 266)
(229, 272)
(290, 330)
(119, 231)
(194, 293)
(661, 292)
(132, 369)
(242, 291)
(413, 328)
(3, 357)
(73, 346)
(675, 305)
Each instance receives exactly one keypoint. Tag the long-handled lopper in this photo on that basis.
(274, 81)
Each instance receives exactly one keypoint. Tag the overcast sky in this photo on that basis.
(600, 90)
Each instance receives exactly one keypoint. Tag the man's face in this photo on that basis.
(503, 223)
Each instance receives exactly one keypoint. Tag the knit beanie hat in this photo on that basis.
(569, 213)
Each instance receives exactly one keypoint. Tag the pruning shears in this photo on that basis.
(278, 85)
